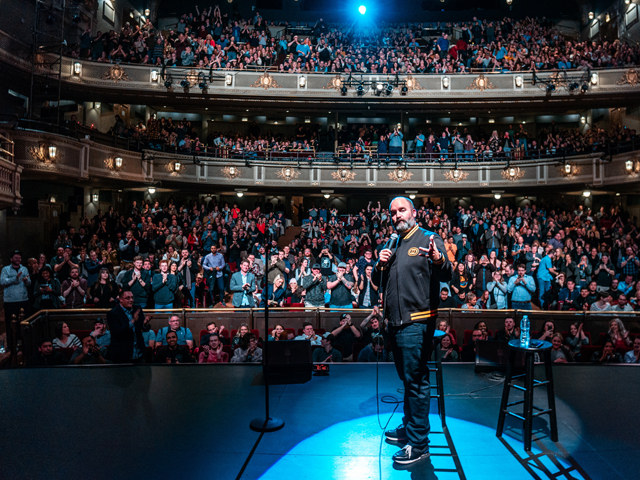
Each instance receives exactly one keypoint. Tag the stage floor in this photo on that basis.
(192, 422)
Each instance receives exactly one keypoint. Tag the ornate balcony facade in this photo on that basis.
(84, 160)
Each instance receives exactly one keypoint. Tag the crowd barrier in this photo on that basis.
(42, 324)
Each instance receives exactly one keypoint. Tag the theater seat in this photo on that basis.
(82, 333)
(623, 350)
(67, 352)
(229, 350)
(586, 351)
(453, 335)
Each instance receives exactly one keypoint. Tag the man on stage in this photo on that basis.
(410, 270)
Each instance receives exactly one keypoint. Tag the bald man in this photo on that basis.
(410, 270)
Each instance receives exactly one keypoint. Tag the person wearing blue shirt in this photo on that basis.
(213, 265)
(100, 334)
(545, 273)
(443, 44)
(185, 337)
(419, 142)
(521, 287)
(395, 142)
(498, 288)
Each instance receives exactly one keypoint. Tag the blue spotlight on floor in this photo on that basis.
(362, 9)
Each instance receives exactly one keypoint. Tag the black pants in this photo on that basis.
(412, 345)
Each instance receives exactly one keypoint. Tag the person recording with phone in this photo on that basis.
(409, 271)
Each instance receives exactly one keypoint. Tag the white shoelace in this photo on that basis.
(407, 449)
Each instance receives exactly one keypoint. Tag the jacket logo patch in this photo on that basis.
(413, 251)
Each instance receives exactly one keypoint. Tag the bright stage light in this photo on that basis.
(362, 9)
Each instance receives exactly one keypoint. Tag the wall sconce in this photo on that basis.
(154, 76)
(77, 68)
(627, 2)
(509, 2)
(152, 190)
(632, 166)
(45, 153)
(512, 173)
(52, 199)
(594, 78)
(583, 120)
(445, 82)
(95, 197)
(174, 167)
(228, 79)
(307, 119)
(607, 18)
(231, 172)
(114, 163)
(586, 194)
(240, 191)
(302, 81)
(519, 81)
(567, 168)
(97, 105)
(147, 12)
(591, 15)
(497, 196)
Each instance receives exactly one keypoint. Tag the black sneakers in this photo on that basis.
(409, 455)
(399, 434)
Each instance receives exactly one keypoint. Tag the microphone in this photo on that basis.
(392, 244)
(393, 240)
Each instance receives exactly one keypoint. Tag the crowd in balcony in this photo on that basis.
(174, 255)
(209, 39)
(362, 142)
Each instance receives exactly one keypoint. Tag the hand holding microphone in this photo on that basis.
(387, 252)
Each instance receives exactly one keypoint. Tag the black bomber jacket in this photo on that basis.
(410, 282)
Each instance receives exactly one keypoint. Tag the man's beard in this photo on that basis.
(403, 226)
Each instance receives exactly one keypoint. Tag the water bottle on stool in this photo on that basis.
(524, 331)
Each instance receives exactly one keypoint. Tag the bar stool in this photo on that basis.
(544, 350)
(436, 367)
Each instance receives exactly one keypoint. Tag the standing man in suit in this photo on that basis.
(126, 325)
(243, 284)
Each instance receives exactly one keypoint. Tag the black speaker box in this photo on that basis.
(289, 361)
